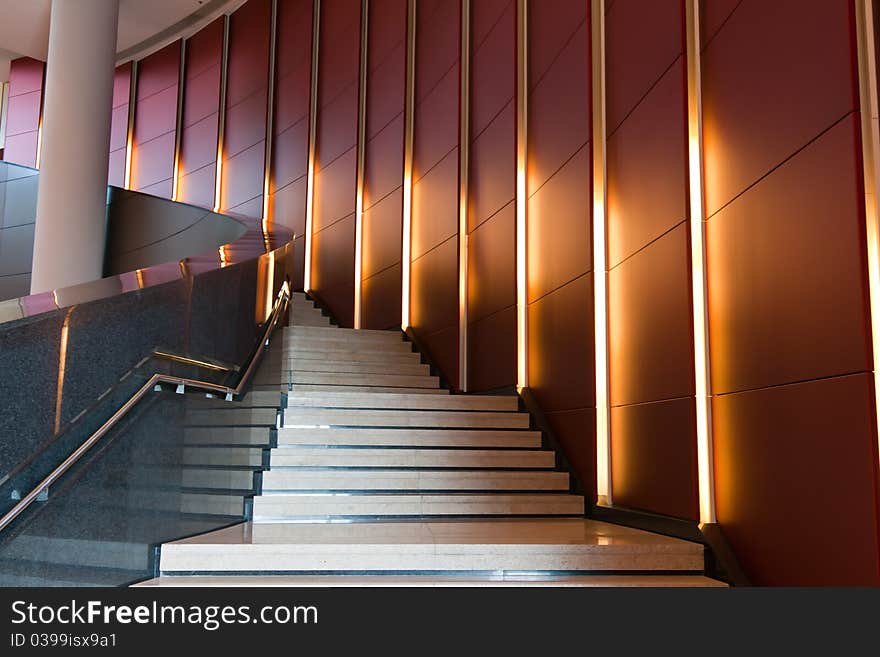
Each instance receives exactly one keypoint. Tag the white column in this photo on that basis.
(71, 201)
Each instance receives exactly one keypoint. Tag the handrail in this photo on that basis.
(281, 301)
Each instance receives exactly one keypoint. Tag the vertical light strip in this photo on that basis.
(361, 152)
(600, 265)
(221, 120)
(40, 142)
(270, 114)
(698, 266)
(463, 191)
(871, 166)
(129, 140)
(62, 367)
(409, 130)
(270, 284)
(4, 109)
(522, 93)
(178, 132)
(313, 124)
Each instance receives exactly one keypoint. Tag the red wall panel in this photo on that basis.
(434, 294)
(119, 125)
(491, 194)
(155, 122)
(23, 111)
(201, 114)
(247, 94)
(560, 283)
(793, 418)
(651, 361)
(290, 141)
(336, 154)
(383, 168)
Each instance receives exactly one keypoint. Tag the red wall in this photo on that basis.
(247, 97)
(119, 125)
(434, 268)
(491, 331)
(290, 141)
(201, 116)
(794, 430)
(155, 122)
(23, 111)
(333, 224)
(651, 354)
(383, 167)
(560, 267)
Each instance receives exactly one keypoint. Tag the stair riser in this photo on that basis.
(410, 458)
(409, 438)
(403, 401)
(428, 419)
(346, 356)
(280, 481)
(308, 387)
(389, 380)
(313, 365)
(220, 417)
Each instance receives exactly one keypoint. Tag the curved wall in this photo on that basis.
(795, 434)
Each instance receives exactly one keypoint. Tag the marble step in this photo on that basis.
(280, 507)
(299, 320)
(345, 390)
(253, 399)
(350, 367)
(380, 457)
(410, 437)
(435, 581)
(404, 401)
(338, 333)
(412, 480)
(220, 479)
(257, 436)
(231, 416)
(384, 380)
(223, 456)
(345, 354)
(570, 545)
(78, 551)
(334, 340)
(306, 417)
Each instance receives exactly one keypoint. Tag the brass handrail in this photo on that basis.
(281, 302)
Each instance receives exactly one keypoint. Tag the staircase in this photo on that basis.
(380, 476)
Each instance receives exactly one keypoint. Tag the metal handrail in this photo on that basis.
(281, 301)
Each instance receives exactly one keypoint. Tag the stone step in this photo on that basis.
(384, 380)
(346, 366)
(231, 416)
(268, 508)
(300, 319)
(307, 417)
(253, 399)
(412, 480)
(345, 390)
(223, 456)
(333, 340)
(338, 333)
(346, 354)
(567, 545)
(227, 436)
(410, 437)
(436, 581)
(380, 457)
(221, 479)
(404, 401)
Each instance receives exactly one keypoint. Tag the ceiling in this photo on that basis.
(24, 24)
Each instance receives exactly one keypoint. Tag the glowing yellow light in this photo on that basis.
(270, 283)
(223, 259)
(600, 291)
(867, 50)
(62, 367)
(361, 152)
(522, 338)
(218, 177)
(139, 275)
(463, 168)
(313, 124)
(175, 182)
(698, 268)
(406, 255)
(39, 143)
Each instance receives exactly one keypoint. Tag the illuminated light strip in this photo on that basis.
(139, 277)
(313, 123)
(221, 120)
(361, 152)
(129, 140)
(410, 102)
(705, 467)
(178, 126)
(867, 50)
(270, 284)
(600, 265)
(463, 191)
(522, 89)
(270, 115)
(4, 111)
(39, 142)
(62, 367)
